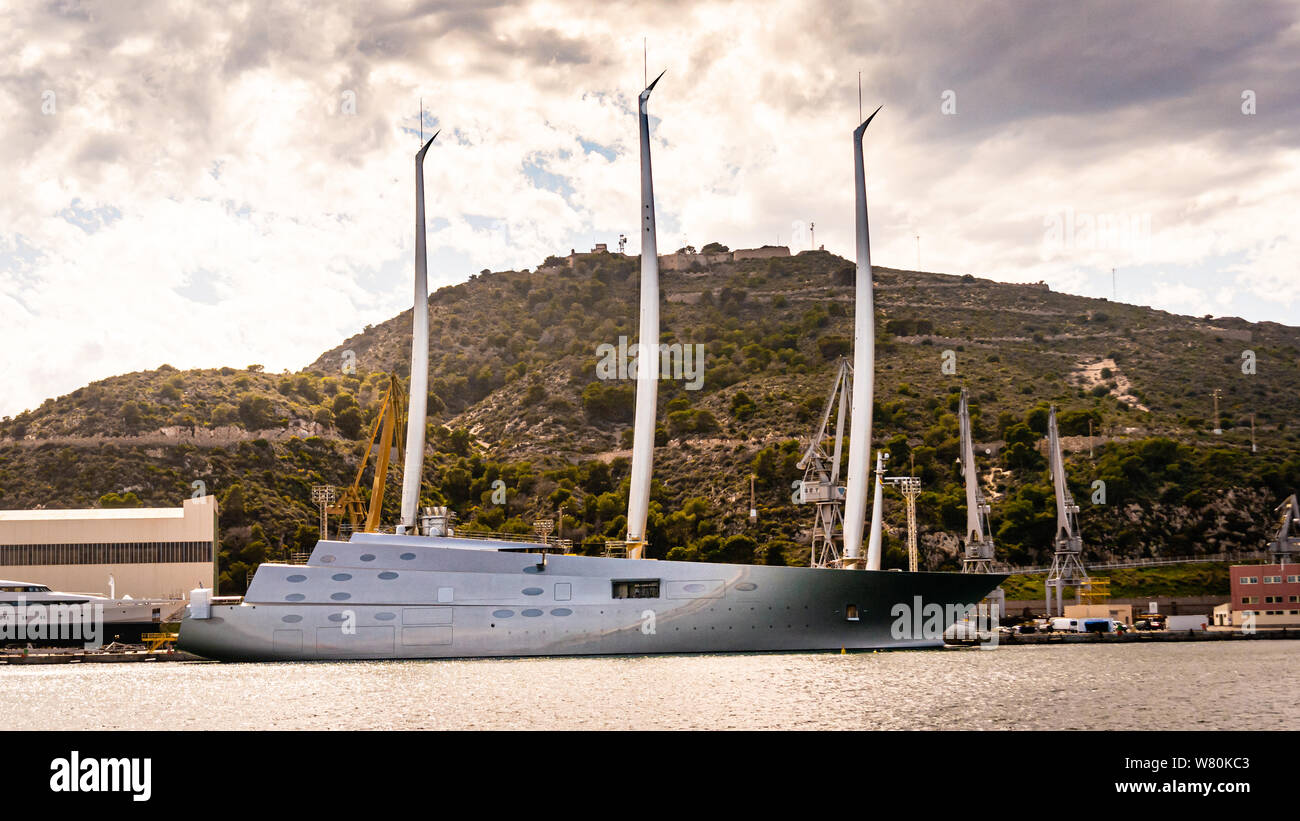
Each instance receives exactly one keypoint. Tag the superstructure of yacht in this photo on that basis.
(423, 592)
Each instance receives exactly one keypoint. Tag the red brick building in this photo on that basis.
(1270, 591)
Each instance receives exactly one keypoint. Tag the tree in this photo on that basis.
(349, 422)
(832, 347)
(233, 512)
(131, 415)
(742, 407)
(120, 500)
(1036, 419)
(459, 442)
(255, 411)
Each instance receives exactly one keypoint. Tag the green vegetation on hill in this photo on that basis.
(516, 405)
(1203, 579)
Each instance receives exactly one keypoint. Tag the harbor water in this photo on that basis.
(1213, 685)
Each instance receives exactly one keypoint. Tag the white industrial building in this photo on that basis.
(161, 552)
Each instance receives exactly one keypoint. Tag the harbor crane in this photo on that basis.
(978, 539)
(1285, 546)
(1067, 568)
(821, 483)
(363, 516)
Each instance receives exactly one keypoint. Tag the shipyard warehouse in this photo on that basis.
(156, 553)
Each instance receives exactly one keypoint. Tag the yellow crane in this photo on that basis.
(388, 424)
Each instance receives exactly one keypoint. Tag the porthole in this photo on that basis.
(342, 577)
(532, 612)
(340, 596)
(367, 557)
(406, 557)
(502, 614)
(295, 597)
(385, 616)
(291, 619)
(295, 578)
(532, 591)
(388, 575)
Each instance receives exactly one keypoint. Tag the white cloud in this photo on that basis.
(237, 214)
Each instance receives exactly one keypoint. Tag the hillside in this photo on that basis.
(514, 396)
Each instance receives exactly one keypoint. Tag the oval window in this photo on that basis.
(367, 557)
(532, 591)
(340, 596)
(502, 614)
(388, 575)
(385, 616)
(338, 617)
(342, 577)
(295, 597)
(532, 612)
(291, 619)
(746, 586)
(694, 588)
(295, 578)
(406, 557)
(561, 611)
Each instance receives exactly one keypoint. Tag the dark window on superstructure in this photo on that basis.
(637, 589)
(850, 612)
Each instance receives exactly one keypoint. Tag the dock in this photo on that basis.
(54, 656)
(1141, 636)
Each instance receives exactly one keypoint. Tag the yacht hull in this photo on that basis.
(396, 597)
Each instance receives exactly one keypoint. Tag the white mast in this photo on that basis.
(877, 511)
(413, 471)
(647, 371)
(864, 367)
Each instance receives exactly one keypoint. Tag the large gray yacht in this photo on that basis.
(423, 592)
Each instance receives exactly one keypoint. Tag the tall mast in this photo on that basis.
(417, 406)
(864, 367)
(647, 372)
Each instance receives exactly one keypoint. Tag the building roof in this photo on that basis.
(105, 514)
(92, 513)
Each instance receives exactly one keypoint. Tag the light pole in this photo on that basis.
(324, 496)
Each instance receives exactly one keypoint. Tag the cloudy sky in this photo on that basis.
(211, 184)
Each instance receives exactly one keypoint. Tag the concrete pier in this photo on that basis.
(45, 656)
